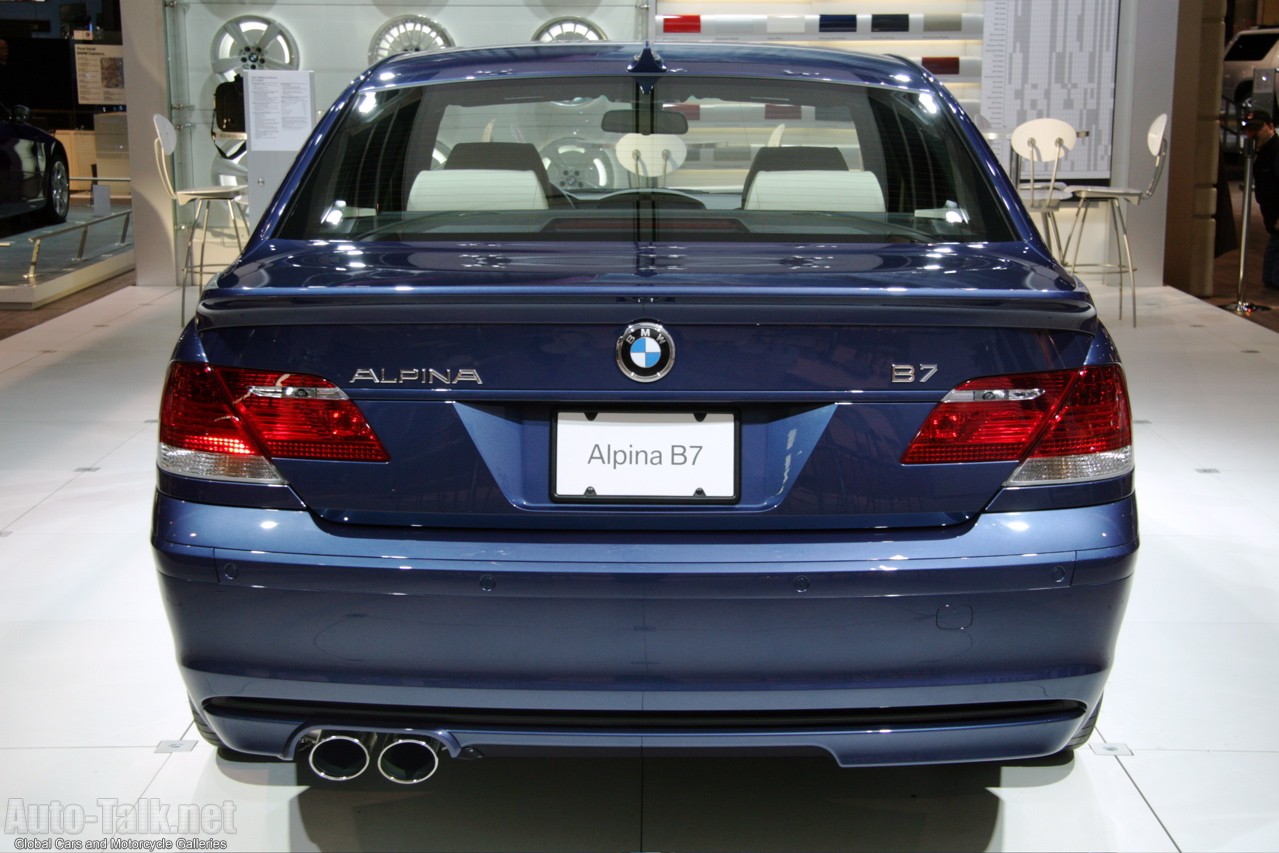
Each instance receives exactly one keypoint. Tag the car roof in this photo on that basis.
(606, 58)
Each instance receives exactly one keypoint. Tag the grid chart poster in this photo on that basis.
(1052, 59)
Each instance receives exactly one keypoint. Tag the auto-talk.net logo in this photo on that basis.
(109, 824)
(645, 352)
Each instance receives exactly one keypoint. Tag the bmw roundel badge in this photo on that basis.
(645, 352)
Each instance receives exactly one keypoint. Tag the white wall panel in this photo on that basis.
(333, 36)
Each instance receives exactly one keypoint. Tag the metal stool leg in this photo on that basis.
(188, 263)
(1117, 223)
(1051, 217)
(1077, 231)
(204, 237)
(1050, 232)
(235, 223)
(1127, 261)
(1123, 261)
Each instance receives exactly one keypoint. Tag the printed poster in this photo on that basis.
(99, 72)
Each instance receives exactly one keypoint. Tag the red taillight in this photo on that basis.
(222, 410)
(302, 417)
(1094, 418)
(196, 414)
(1067, 413)
(988, 420)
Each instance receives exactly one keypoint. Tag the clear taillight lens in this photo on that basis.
(228, 423)
(1064, 426)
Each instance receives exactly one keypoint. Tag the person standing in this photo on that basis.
(1259, 127)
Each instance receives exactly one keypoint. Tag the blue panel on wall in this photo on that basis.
(837, 23)
(890, 23)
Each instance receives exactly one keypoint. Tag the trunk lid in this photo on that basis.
(474, 368)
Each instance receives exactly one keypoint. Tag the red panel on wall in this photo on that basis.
(692, 112)
(941, 64)
(775, 112)
(682, 24)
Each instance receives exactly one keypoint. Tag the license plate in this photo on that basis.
(645, 456)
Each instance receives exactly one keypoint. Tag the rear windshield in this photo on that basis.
(620, 158)
(1251, 47)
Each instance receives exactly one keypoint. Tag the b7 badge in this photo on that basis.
(913, 372)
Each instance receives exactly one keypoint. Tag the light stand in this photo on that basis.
(1240, 307)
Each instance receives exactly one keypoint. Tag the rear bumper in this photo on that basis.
(881, 736)
(988, 643)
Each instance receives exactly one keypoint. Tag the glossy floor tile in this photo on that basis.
(96, 741)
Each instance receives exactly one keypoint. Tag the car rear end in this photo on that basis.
(669, 444)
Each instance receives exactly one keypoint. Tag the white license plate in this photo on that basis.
(660, 456)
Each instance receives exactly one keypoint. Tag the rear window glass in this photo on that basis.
(1251, 47)
(682, 158)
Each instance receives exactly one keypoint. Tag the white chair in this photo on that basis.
(1157, 144)
(1044, 140)
(166, 139)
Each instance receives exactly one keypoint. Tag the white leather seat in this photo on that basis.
(816, 189)
(476, 189)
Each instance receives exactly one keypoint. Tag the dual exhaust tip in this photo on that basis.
(341, 757)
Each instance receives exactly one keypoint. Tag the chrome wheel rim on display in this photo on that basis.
(407, 34)
(253, 43)
(569, 29)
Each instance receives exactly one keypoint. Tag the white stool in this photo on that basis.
(1113, 198)
(166, 140)
(1045, 140)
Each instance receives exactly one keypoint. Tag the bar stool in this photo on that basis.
(1044, 140)
(1111, 197)
(166, 140)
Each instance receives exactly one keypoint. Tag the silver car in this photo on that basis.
(1248, 51)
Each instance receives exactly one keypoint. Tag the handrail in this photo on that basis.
(83, 228)
(1230, 133)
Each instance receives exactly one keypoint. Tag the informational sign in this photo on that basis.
(99, 72)
(279, 114)
(1053, 60)
(280, 109)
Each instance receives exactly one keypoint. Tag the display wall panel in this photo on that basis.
(1006, 61)
(989, 53)
(945, 36)
(332, 38)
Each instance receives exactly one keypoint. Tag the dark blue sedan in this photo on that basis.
(33, 170)
(606, 396)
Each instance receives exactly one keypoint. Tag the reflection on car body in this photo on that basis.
(790, 432)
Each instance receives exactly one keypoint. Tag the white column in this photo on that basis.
(147, 93)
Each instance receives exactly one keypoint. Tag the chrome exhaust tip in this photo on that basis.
(339, 757)
(408, 761)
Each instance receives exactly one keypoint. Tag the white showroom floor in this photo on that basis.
(91, 707)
